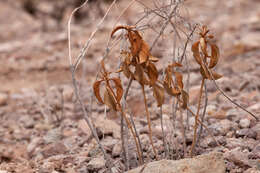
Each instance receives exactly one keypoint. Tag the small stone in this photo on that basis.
(252, 170)
(53, 135)
(117, 149)
(96, 164)
(54, 149)
(34, 143)
(3, 99)
(244, 123)
(212, 162)
(246, 132)
(223, 127)
(2, 171)
(238, 157)
(27, 121)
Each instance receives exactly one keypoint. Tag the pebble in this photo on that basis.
(27, 121)
(96, 164)
(238, 157)
(3, 99)
(53, 135)
(117, 149)
(244, 123)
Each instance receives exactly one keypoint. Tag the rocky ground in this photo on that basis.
(42, 127)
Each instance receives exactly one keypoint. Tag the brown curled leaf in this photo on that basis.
(158, 93)
(176, 64)
(203, 46)
(119, 88)
(185, 99)
(121, 27)
(152, 73)
(140, 76)
(144, 53)
(214, 56)
(153, 59)
(196, 53)
(109, 100)
(135, 41)
(178, 77)
(96, 88)
(126, 70)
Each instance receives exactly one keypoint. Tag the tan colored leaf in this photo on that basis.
(152, 73)
(119, 88)
(126, 70)
(214, 56)
(96, 88)
(185, 99)
(109, 100)
(144, 53)
(120, 27)
(196, 53)
(203, 46)
(153, 59)
(176, 64)
(178, 77)
(135, 41)
(158, 93)
(139, 75)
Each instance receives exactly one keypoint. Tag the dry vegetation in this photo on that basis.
(147, 89)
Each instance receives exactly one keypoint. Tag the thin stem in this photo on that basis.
(196, 119)
(166, 149)
(204, 112)
(128, 125)
(149, 122)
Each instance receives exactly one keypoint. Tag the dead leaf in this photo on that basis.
(185, 99)
(196, 53)
(158, 93)
(109, 99)
(214, 56)
(96, 88)
(152, 73)
(119, 88)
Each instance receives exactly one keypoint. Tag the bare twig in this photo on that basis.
(196, 119)
(226, 96)
(204, 112)
(149, 122)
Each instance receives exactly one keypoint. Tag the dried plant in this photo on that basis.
(140, 65)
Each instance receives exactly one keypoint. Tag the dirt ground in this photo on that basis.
(41, 126)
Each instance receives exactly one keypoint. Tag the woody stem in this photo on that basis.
(149, 122)
(196, 119)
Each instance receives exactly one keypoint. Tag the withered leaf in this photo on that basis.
(152, 73)
(153, 59)
(139, 75)
(119, 88)
(178, 77)
(214, 56)
(185, 99)
(96, 88)
(144, 53)
(158, 93)
(196, 53)
(126, 70)
(135, 41)
(109, 100)
(176, 64)
(203, 46)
